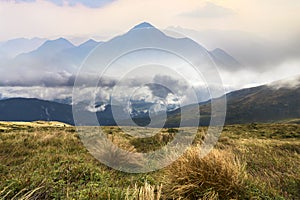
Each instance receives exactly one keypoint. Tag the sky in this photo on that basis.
(234, 25)
(51, 18)
(263, 35)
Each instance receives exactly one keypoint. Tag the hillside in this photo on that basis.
(261, 104)
(22, 109)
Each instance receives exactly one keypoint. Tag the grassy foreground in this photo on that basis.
(48, 161)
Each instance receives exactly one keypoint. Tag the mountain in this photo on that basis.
(22, 109)
(143, 25)
(267, 103)
(264, 104)
(51, 64)
(57, 60)
(274, 102)
(89, 43)
(41, 67)
(30, 109)
(47, 50)
(249, 49)
(147, 37)
(12, 48)
(52, 47)
(224, 60)
(78, 53)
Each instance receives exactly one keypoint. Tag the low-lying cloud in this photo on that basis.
(254, 52)
(159, 89)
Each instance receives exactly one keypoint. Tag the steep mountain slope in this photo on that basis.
(263, 104)
(58, 60)
(77, 54)
(267, 103)
(224, 60)
(21, 109)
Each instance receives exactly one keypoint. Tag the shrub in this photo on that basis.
(219, 174)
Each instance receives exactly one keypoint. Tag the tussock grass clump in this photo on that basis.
(114, 156)
(219, 174)
(145, 192)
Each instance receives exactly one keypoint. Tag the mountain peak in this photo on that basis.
(89, 43)
(143, 25)
(58, 44)
(60, 40)
(223, 59)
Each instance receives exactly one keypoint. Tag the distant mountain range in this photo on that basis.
(55, 63)
(22, 109)
(11, 48)
(267, 103)
(38, 61)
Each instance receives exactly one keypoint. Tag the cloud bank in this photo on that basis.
(210, 10)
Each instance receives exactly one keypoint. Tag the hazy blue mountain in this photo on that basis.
(143, 25)
(147, 32)
(55, 61)
(145, 36)
(48, 49)
(43, 66)
(14, 47)
(249, 49)
(78, 53)
(89, 44)
(224, 60)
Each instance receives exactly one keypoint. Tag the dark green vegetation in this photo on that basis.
(263, 104)
(259, 161)
(23, 109)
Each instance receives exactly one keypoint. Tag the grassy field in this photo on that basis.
(48, 161)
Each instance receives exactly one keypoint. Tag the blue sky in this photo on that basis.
(52, 18)
(87, 3)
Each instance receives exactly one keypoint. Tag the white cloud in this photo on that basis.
(275, 21)
(45, 19)
(210, 10)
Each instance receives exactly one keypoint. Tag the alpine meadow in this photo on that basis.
(149, 100)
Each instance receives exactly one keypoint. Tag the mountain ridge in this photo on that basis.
(60, 56)
(259, 104)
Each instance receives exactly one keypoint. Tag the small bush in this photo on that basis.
(219, 174)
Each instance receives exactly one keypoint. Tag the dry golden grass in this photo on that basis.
(218, 174)
(113, 156)
(34, 124)
(145, 192)
(52, 163)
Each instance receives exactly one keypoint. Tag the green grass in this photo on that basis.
(46, 162)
